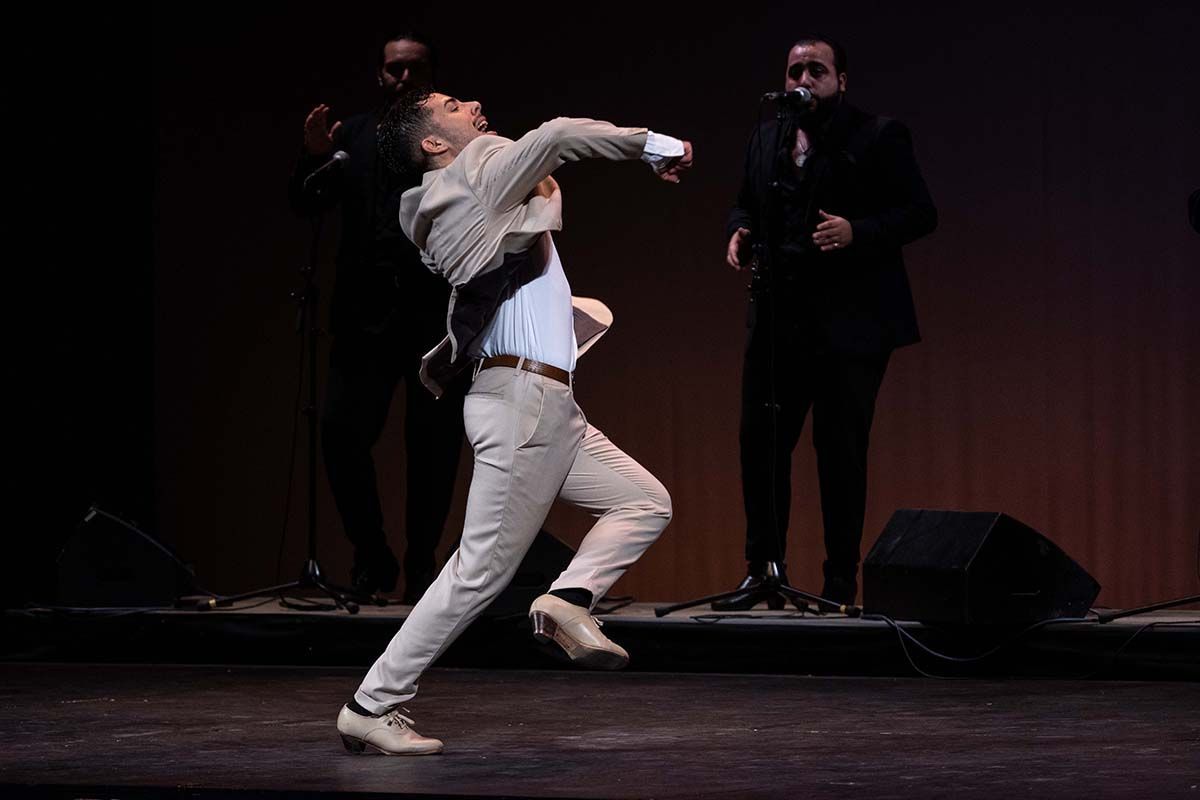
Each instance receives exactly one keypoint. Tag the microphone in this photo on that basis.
(798, 95)
(333, 164)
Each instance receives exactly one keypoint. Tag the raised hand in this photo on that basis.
(318, 136)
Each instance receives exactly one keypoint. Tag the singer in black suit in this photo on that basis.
(386, 309)
(829, 196)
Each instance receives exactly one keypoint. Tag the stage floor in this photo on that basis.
(152, 731)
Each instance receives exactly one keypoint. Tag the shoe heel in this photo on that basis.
(544, 627)
(353, 745)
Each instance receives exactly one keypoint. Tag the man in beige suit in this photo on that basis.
(482, 217)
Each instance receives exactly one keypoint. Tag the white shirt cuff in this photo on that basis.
(661, 149)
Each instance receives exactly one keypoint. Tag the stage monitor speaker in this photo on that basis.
(971, 567)
(544, 562)
(109, 562)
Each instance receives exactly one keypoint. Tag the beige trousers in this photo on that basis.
(532, 445)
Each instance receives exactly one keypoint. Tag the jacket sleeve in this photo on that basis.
(744, 213)
(907, 211)
(503, 177)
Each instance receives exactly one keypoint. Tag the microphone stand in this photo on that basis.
(1132, 612)
(773, 588)
(308, 326)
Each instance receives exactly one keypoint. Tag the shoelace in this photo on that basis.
(396, 718)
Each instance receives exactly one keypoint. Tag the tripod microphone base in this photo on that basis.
(310, 578)
(772, 588)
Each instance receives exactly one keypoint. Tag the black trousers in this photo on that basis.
(784, 376)
(364, 370)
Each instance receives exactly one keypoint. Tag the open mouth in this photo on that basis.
(481, 125)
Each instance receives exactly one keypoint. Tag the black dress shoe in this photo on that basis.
(840, 590)
(415, 586)
(750, 592)
(374, 574)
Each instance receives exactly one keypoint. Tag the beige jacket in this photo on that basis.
(481, 220)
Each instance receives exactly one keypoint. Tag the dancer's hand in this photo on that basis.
(678, 166)
(318, 136)
(737, 243)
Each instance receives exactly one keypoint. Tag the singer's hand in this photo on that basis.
(835, 233)
(677, 166)
(736, 243)
(318, 136)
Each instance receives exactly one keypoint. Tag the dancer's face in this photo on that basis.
(454, 124)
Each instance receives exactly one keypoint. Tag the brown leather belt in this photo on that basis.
(537, 367)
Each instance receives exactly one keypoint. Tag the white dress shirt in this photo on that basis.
(536, 319)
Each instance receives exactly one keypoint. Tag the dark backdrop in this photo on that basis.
(1058, 377)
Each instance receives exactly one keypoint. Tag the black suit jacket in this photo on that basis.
(855, 300)
(380, 280)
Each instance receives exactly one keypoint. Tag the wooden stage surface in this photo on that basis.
(73, 730)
